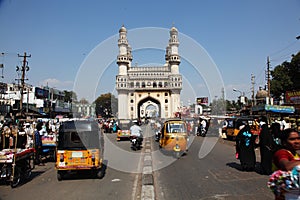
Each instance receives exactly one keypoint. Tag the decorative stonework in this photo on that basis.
(148, 90)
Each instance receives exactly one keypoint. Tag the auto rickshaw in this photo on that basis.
(123, 132)
(174, 137)
(233, 125)
(80, 147)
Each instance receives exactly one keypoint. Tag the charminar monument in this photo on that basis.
(152, 91)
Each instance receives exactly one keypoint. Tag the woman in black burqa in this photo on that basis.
(245, 147)
(266, 144)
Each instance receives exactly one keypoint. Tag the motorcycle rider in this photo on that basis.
(157, 130)
(203, 126)
(135, 130)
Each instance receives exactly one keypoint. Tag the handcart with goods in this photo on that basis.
(49, 147)
(16, 165)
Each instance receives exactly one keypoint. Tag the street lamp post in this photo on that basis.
(241, 97)
(235, 90)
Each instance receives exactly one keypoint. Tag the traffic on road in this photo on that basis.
(206, 167)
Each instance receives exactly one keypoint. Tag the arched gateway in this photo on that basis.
(152, 91)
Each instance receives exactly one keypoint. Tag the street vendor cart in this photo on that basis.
(49, 147)
(16, 165)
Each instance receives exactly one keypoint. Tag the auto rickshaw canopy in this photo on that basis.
(79, 135)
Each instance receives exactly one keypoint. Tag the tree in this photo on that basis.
(218, 107)
(84, 101)
(232, 106)
(285, 77)
(106, 105)
(294, 71)
(70, 96)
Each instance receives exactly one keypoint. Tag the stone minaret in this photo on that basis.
(174, 61)
(124, 61)
(173, 58)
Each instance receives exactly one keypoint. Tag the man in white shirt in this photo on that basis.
(135, 130)
(283, 124)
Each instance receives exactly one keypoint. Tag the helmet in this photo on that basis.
(135, 121)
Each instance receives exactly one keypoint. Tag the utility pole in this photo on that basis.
(23, 70)
(268, 77)
(252, 88)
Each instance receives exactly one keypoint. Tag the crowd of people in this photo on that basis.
(278, 146)
(27, 134)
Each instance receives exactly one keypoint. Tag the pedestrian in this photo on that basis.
(38, 144)
(283, 124)
(245, 147)
(22, 137)
(29, 132)
(287, 157)
(276, 134)
(266, 144)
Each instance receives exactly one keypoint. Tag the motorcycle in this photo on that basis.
(201, 132)
(135, 143)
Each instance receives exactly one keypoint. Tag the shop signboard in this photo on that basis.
(202, 101)
(292, 97)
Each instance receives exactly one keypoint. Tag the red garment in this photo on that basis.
(283, 154)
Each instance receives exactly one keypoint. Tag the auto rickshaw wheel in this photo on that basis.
(230, 138)
(16, 179)
(101, 172)
(60, 175)
(53, 156)
(28, 174)
(177, 154)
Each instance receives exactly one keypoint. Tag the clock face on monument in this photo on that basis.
(149, 83)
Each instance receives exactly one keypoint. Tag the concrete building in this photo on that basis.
(39, 100)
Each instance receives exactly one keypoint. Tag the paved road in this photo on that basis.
(215, 176)
(115, 185)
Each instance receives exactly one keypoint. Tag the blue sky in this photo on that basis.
(237, 35)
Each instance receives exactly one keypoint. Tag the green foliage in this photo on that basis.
(106, 105)
(218, 107)
(70, 96)
(285, 77)
(232, 106)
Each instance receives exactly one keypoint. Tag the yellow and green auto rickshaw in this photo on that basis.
(174, 137)
(80, 147)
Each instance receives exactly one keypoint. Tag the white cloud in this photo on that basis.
(52, 82)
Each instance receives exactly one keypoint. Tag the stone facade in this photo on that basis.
(148, 90)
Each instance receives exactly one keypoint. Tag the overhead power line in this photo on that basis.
(279, 51)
